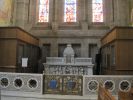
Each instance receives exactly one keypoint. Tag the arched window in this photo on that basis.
(97, 10)
(43, 11)
(70, 10)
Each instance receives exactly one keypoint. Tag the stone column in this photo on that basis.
(132, 16)
(109, 12)
(83, 16)
(122, 12)
(84, 49)
(55, 14)
(84, 26)
(21, 13)
(54, 49)
(89, 3)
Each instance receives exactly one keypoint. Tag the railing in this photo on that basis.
(104, 94)
(85, 85)
(63, 84)
(114, 83)
(22, 82)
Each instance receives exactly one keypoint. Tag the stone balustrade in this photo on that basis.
(22, 82)
(41, 85)
(113, 83)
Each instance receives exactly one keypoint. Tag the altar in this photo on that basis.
(68, 64)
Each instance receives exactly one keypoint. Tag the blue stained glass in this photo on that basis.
(70, 1)
(97, 1)
(53, 84)
(71, 84)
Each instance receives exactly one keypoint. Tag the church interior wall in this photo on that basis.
(83, 32)
(84, 36)
(25, 13)
(26, 10)
(83, 42)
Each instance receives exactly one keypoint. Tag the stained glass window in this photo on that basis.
(70, 11)
(43, 11)
(97, 10)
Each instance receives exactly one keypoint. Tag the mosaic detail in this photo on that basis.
(72, 85)
(62, 84)
(93, 85)
(109, 84)
(43, 11)
(70, 11)
(53, 84)
(4, 82)
(97, 10)
(125, 85)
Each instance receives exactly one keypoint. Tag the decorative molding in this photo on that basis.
(18, 82)
(124, 86)
(4, 82)
(110, 85)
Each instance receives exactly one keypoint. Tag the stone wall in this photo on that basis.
(83, 32)
(116, 12)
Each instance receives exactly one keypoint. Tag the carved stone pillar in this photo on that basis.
(132, 17)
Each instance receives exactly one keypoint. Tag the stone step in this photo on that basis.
(18, 95)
